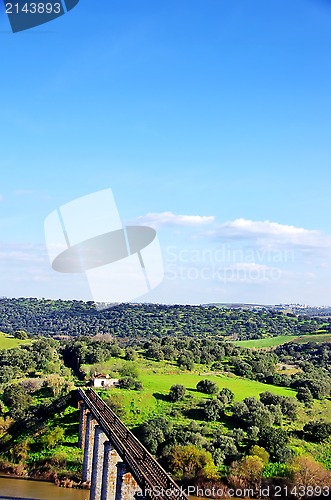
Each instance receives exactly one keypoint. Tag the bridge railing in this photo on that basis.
(154, 481)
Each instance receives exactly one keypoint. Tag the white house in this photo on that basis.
(101, 380)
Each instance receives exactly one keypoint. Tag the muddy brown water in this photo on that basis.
(23, 489)
(12, 488)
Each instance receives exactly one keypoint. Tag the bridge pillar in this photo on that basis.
(82, 424)
(97, 463)
(109, 473)
(88, 448)
(126, 485)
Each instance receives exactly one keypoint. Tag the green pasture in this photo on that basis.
(265, 342)
(9, 342)
(283, 339)
(158, 377)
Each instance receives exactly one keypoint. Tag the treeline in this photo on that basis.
(75, 318)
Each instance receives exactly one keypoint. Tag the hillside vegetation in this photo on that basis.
(74, 318)
(199, 400)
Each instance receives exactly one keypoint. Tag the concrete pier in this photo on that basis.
(109, 473)
(82, 424)
(88, 448)
(126, 485)
(97, 463)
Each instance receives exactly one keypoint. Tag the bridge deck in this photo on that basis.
(150, 476)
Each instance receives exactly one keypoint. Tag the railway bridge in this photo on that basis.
(116, 465)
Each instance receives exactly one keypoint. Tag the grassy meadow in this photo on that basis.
(158, 377)
(283, 339)
(9, 342)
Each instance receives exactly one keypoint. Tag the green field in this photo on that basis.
(282, 339)
(9, 342)
(265, 342)
(158, 377)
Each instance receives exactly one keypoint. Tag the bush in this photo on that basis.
(127, 383)
(207, 386)
(276, 469)
(305, 396)
(177, 392)
(226, 396)
(317, 431)
(213, 409)
(305, 472)
(189, 462)
(52, 437)
(16, 398)
(258, 451)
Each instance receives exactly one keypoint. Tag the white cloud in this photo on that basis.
(271, 232)
(170, 219)
(21, 253)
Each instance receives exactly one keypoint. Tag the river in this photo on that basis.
(12, 488)
(23, 489)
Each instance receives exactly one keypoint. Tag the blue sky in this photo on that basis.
(214, 110)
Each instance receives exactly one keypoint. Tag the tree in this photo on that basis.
(253, 433)
(130, 369)
(207, 386)
(309, 474)
(21, 334)
(225, 449)
(258, 451)
(274, 440)
(226, 396)
(305, 396)
(238, 435)
(52, 437)
(31, 385)
(276, 412)
(261, 418)
(289, 407)
(19, 452)
(17, 399)
(213, 409)
(185, 362)
(56, 383)
(130, 354)
(127, 383)
(317, 431)
(155, 433)
(177, 392)
(250, 469)
(189, 462)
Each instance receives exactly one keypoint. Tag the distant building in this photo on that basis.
(101, 380)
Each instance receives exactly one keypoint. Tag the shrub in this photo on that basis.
(52, 437)
(189, 462)
(177, 392)
(317, 431)
(207, 386)
(258, 451)
(213, 409)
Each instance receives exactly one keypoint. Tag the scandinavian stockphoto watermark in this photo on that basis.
(27, 14)
(226, 264)
(86, 235)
